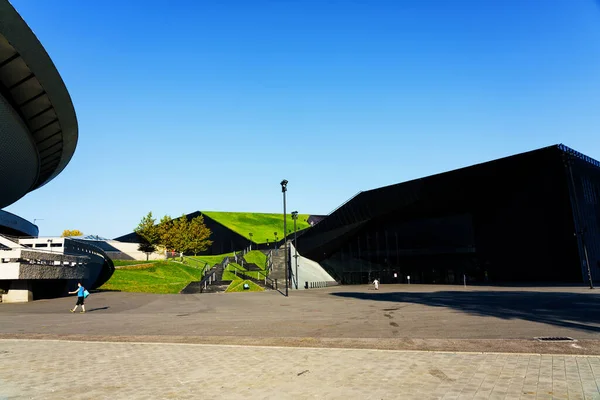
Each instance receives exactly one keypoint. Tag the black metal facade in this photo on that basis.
(508, 220)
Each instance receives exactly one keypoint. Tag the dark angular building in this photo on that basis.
(531, 217)
(224, 239)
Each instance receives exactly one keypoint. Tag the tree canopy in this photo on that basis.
(69, 233)
(180, 234)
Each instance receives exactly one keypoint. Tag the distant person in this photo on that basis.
(376, 284)
(80, 297)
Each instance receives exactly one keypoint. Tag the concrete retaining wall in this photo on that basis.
(308, 270)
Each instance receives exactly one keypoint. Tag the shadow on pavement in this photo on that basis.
(98, 309)
(569, 310)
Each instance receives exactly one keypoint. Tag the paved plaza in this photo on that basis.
(401, 317)
(98, 370)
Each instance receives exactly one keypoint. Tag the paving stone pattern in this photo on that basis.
(32, 369)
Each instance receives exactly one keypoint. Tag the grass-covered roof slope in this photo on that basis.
(262, 226)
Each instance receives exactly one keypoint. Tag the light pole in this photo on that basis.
(37, 219)
(283, 190)
(250, 234)
(295, 218)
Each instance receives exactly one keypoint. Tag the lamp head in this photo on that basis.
(284, 185)
(294, 215)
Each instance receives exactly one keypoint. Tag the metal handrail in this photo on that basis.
(242, 273)
(208, 279)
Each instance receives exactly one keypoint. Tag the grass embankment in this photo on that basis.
(257, 257)
(232, 270)
(155, 277)
(172, 276)
(262, 226)
(201, 261)
(124, 263)
(238, 286)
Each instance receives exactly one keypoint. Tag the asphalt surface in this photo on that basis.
(414, 317)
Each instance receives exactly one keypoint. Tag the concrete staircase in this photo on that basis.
(278, 272)
(217, 286)
(251, 266)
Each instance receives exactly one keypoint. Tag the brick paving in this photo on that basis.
(39, 369)
(132, 346)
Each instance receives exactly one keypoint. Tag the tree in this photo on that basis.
(69, 233)
(179, 235)
(165, 235)
(147, 248)
(199, 235)
(148, 232)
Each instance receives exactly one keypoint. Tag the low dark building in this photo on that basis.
(224, 239)
(531, 217)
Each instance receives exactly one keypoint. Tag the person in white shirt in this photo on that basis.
(376, 284)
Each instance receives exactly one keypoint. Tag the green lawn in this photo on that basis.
(257, 257)
(238, 286)
(121, 263)
(211, 260)
(201, 261)
(262, 226)
(229, 273)
(158, 277)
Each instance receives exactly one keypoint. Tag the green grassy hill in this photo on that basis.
(262, 226)
(170, 277)
(152, 277)
(238, 286)
(200, 261)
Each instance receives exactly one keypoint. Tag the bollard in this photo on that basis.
(465, 280)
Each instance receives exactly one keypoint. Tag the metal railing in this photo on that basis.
(261, 276)
(209, 278)
(319, 284)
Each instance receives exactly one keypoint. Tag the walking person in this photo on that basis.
(80, 297)
(376, 284)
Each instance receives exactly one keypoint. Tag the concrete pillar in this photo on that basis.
(19, 292)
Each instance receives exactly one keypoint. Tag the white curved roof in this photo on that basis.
(31, 85)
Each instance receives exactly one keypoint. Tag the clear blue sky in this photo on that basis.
(207, 105)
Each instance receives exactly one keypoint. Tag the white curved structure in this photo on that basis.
(38, 126)
(38, 136)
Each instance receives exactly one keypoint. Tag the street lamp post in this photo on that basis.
(283, 190)
(295, 218)
(250, 234)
